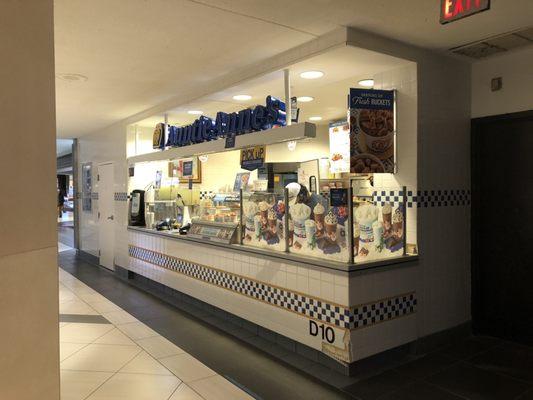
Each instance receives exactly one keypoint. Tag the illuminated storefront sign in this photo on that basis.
(452, 10)
(238, 123)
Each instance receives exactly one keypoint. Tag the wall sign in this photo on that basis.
(236, 123)
(253, 157)
(452, 10)
(372, 131)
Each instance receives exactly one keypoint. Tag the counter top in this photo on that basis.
(285, 257)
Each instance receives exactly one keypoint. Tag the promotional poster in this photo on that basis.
(372, 131)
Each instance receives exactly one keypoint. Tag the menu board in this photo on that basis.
(372, 131)
(339, 146)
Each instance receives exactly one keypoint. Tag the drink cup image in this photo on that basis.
(377, 229)
(263, 210)
(299, 214)
(397, 223)
(387, 216)
(366, 215)
(250, 209)
(272, 221)
(310, 232)
(330, 222)
(319, 212)
(291, 232)
(257, 226)
(356, 235)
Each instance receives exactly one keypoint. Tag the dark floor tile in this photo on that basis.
(469, 347)
(378, 386)
(474, 383)
(421, 391)
(83, 319)
(526, 396)
(425, 366)
(510, 359)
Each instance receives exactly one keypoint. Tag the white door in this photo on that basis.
(106, 207)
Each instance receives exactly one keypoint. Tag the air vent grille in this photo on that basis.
(496, 44)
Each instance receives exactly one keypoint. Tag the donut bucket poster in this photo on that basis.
(372, 118)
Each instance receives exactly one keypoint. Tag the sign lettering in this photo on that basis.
(452, 10)
(225, 124)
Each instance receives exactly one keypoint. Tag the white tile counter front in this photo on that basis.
(311, 305)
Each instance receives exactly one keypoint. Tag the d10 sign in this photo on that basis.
(452, 10)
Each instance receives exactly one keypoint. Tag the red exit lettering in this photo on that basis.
(452, 10)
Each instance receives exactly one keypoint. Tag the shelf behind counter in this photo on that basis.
(286, 257)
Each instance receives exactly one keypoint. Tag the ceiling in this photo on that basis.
(137, 56)
(343, 68)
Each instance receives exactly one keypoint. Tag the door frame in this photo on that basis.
(100, 216)
(476, 129)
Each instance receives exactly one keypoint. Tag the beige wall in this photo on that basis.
(29, 338)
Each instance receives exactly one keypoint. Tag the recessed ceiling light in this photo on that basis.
(195, 112)
(315, 118)
(366, 82)
(305, 99)
(311, 74)
(242, 97)
(70, 77)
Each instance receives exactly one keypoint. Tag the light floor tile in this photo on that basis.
(83, 333)
(119, 317)
(144, 363)
(137, 330)
(104, 306)
(77, 385)
(184, 392)
(100, 357)
(115, 337)
(216, 388)
(92, 297)
(67, 349)
(186, 367)
(62, 324)
(66, 295)
(136, 387)
(159, 347)
(76, 307)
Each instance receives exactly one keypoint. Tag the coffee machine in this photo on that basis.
(136, 209)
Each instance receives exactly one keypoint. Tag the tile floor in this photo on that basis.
(174, 353)
(124, 359)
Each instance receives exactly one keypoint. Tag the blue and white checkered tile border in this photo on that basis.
(318, 309)
(121, 196)
(384, 310)
(442, 198)
(423, 198)
(94, 195)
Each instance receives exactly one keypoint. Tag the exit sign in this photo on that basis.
(452, 10)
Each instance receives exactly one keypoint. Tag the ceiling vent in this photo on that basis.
(496, 44)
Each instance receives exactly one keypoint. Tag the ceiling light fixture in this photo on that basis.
(242, 97)
(366, 82)
(195, 112)
(305, 99)
(311, 74)
(315, 118)
(291, 145)
(70, 77)
(203, 158)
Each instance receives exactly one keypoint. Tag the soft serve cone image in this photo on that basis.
(319, 212)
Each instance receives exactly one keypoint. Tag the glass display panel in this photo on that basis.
(263, 220)
(379, 223)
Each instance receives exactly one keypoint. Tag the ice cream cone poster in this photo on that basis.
(372, 131)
